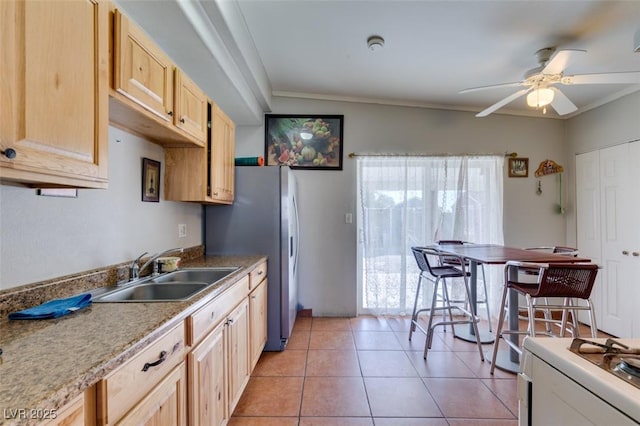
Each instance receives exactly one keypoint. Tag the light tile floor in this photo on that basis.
(364, 371)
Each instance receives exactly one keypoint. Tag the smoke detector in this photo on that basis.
(375, 43)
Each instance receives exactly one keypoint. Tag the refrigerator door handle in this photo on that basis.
(295, 212)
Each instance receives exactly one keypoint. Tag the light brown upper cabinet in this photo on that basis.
(54, 86)
(150, 96)
(190, 107)
(223, 136)
(204, 175)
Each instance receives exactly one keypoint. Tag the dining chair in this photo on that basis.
(567, 281)
(455, 261)
(437, 272)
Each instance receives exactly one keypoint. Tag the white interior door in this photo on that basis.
(617, 214)
(588, 222)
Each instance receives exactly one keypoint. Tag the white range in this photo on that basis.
(559, 387)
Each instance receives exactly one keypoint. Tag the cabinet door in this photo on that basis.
(54, 85)
(208, 397)
(166, 404)
(71, 414)
(222, 156)
(238, 352)
(142, 72)
(258, 321)
(190, 107)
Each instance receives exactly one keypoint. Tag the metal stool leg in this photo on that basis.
(473, 317)
(427, 344)
(446, 300)
(414, 315)
(501, 318)
(486, 297)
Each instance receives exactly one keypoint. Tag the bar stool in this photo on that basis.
(438, 274)
(562, 280)
(563, 250)
(454, 261)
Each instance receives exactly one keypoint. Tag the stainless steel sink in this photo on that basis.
(205, 275)
(149, 292)
(173, 286)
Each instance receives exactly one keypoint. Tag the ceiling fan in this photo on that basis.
(539, 83)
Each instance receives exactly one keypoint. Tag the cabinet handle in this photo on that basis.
(636, 254)
(253, 297)
(260, 272)
(170, 113)
(148, 365)
(230, 321)
(182, 120)
(215, 193)
(213, 314)
(10, 153)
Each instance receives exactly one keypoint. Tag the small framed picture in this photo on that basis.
(519, 167)
(150, 180)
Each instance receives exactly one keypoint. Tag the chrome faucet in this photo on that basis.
(154, 260)
(134, 268)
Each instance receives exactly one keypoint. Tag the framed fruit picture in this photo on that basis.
(304, 141)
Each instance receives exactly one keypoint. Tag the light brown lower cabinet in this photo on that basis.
(207, 390)
(149, 386)
(258, 318)
(219, 369)
(166, 404)
(238, 352)
(72, 414)
(170, 384)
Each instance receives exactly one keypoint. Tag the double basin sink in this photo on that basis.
(172, 286)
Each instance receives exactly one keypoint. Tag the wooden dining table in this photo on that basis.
(493, 254)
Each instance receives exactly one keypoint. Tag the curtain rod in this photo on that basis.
(380, 154)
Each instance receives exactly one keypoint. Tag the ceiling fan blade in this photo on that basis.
(492, 86)
(503, 102)
(559, 60)
(632, 77)
(561, 103)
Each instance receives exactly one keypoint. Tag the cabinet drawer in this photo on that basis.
(209, 315)
(131, 382)
(257, 275)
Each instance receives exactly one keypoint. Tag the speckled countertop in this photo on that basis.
(47, 363)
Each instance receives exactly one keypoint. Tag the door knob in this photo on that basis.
(625, 252)
(636, 254)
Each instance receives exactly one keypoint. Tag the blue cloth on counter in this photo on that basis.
(54, 308)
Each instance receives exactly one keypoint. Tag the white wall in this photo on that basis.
(47, 237)
(328, 254)
(609, 125)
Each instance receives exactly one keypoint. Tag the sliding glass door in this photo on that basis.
(406, 201)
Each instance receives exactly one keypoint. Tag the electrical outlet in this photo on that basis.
(182, 230)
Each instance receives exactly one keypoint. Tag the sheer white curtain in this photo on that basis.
(406, 201)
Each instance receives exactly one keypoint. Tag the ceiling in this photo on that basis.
(243, 52)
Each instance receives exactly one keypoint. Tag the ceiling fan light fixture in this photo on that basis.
(540, 97)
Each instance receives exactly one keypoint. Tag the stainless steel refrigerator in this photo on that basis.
(263, 219)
